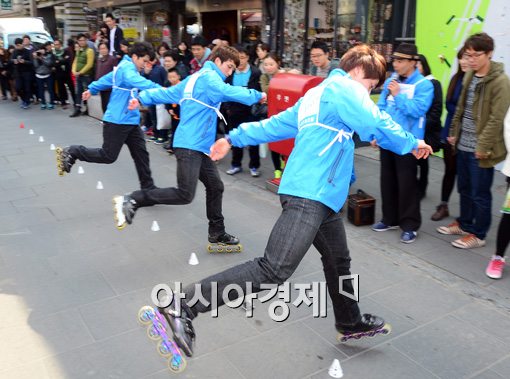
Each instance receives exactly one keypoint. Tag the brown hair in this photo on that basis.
(480, 42)
(274, 57)
(459, 75)
(225, 53)
(366, 58)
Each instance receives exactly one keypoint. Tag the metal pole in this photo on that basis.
(335, 31)
(32, 4)
(305, 42)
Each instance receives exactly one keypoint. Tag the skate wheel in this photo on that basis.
(239, 249)
(386, 329)
(229, 249)
(177, 364)
(164, 349)
(145, 315)
(210, 249)
(152, 331)
(219, 249)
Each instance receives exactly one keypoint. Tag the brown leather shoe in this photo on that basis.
(441, 212)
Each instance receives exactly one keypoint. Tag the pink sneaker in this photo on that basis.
(495, 268)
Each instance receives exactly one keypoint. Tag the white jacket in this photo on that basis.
(506, 132)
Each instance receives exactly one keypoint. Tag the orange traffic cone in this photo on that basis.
(22, 126)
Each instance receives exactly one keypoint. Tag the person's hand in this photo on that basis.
(86, 95)
(479, 155)
(219, 149)
(133, 104)
(263, 99)
(451, 140)
(423, 150)
(394, 88)
(373, 143)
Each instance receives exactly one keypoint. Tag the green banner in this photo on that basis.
(6, 5)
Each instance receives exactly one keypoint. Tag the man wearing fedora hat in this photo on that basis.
(406, 97)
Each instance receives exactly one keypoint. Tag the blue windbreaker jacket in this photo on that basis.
(124, 81)
(197, 128)
(409, 113)
(322, 122)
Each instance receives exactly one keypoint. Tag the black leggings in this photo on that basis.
(450, 171)
(503, 237)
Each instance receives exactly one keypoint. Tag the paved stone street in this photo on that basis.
(71, 284)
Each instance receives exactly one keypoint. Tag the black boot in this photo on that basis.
(225, 238)
(76, 112)
(124, 209)
(182, 328)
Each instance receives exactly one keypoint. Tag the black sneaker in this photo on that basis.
(368, 326)
(224, 238)
(65, 160)
(76, 113)
(182, 329)
(124, 209)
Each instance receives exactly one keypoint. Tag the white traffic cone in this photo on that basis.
(193, 260)
(41, 139)
(155, 226)
(335, 370)
(31, 131)
(99, 185)
(52, 147)
(81, 171)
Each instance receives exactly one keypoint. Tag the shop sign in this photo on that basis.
(6, 5)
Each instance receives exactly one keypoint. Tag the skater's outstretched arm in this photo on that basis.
(170, 95)
(102, 84)
(219, 91)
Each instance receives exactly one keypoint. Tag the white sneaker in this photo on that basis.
(254, 172)
(234, 170)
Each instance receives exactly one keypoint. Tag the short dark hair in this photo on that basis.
(141, 49)
(81, 35)
(174, 69)
(275, 57)
(370, 61)
(26, 36)
(109, 15)
(199, 40)
(320, 45)
(18, 41)
(241, 49)
(480, 42)
(124, 42)
(103, 43)
(264, 46)
(225, 53)
(425, 65)
(172, 53)
(48, 43)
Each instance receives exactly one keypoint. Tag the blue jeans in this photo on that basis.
(474, 186)
(48, 82)
(303, 222)
(192, 166)
(82, 84)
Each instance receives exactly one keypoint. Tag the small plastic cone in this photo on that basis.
(22, 126)
(335, 370)
(80, 171)
(99, 185)
(41, 139)
(193, 260)
(155, 226)
(31, 131)
(52, 147)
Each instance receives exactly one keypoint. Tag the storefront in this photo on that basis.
(341, 24)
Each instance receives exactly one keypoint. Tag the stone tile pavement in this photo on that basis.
(71, 284)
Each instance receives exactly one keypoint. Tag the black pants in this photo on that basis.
(192, 166)
(450, 172)
(114, 136)
(105, 98)
(399, 191)
(503, 237)
(24, 82)
(62, 78)
(237, 156)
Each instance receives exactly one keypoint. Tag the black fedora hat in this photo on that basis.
(406, 51)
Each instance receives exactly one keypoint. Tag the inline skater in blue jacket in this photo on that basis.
(120, 125)
(313, 189)
(200, 96)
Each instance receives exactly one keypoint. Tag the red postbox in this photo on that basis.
(284, 91)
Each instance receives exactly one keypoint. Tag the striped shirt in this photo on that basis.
(468, 137)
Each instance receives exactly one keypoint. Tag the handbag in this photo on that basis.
(163, 118)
